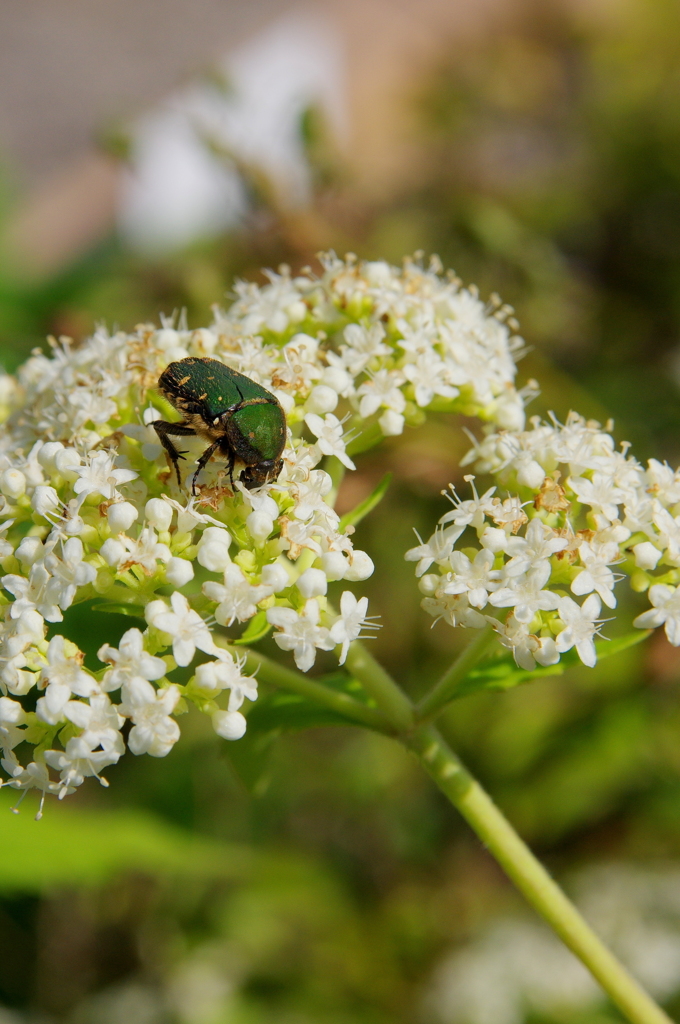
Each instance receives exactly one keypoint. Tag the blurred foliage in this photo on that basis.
(314, 877)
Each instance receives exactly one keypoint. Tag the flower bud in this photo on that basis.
(260, 525)
(312, 583)
(334, 565)
(230, 725)
(391, 423)
(378, 272)
(275, 576)
(360, 567)
(45, 499)
(13, 483)
(158, 513)
(30, 549)
(179, 571)
(646, 555)
(322, 399)
(47, 454)
(11, 712)
(65, 462)
(113, 552)
(285, 399)
(428, 584)
(530, 474)
(337, 378)
(204, 340)
(121, 515)
(494, 539)
(213, 549)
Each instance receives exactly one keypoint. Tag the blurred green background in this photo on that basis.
(316, 877)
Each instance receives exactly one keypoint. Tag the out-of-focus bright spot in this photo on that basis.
(516, 966)
(183, 181)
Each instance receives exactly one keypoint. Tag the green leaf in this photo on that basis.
(503, 674)
(366, 506)
(256, 629)
(133, 610)
(250, 758)
(288, 712)
(73, 846)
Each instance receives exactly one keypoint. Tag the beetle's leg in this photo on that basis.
(163, 428)
(204, 460)
(232, 460)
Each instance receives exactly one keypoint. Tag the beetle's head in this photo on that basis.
(261, 473)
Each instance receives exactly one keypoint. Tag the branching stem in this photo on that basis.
(445, 690)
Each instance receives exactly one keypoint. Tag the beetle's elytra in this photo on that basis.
(240, 419)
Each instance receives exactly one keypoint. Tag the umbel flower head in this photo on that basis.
(90, 510)
(545, 558)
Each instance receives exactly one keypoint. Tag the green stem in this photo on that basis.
(531, 878)
(445, 690)
(389, 697)
(498, 835)
(271, 672)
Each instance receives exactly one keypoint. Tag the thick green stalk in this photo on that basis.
(389, 697)
(531, 878)
(445, 690)
(498, 835)
(269, 671)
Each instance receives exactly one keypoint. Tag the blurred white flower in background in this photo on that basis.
(184, 183)
(517, 968)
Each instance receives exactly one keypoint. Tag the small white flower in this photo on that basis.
(311, 493)
(381, 391)
(526, 595)
(300, 633)
(526, 648)
(129, 659)
(77, 762)
(226, 674)
(329, 434)
(183, 624)
(665, 612)
(62, 676)
(347, 627)
(99, 721)
(145, 551)
(581, 625)
(237, 598)
(438, 549)
(539, 544)
(98, 476)
(595, 575)
(476, 578)
(39, 592)
(70, 571)
(600, 493)
(153, 732)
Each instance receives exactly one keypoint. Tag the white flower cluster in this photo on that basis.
(579, 507)
(87, 508)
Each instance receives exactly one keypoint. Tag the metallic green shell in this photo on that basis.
(208, 388)
(262, 428)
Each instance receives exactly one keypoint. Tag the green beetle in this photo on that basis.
(242, 420)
